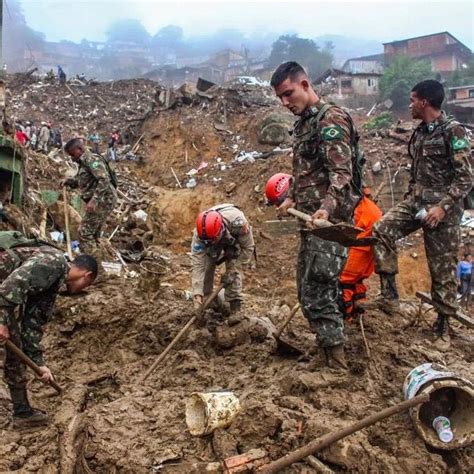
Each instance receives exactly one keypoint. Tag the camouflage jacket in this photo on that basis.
(322, 163)
(441, 173)
(32, 279)
(93, 178)
(236, 243)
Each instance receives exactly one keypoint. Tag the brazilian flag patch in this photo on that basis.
(459, 143)
(332, 132)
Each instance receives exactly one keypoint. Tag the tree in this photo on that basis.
(128, 31)
(400, 77)
(302, 50)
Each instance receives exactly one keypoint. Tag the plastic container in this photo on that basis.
(206, 411)
(442, 426)
(451, 397)
(421, 214)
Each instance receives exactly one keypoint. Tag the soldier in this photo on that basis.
(222, 235)
(441, 177)
(97, 185)
(325, 144)
(31, 274)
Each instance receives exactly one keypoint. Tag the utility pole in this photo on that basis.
(2, 70)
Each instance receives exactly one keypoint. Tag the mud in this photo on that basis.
(100, 344)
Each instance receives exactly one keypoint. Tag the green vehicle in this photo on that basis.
(12, 160)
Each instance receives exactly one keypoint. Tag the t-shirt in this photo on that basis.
(464, 269)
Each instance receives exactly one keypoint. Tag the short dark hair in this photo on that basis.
(290, 69)
(87, 262)
(467, 254)
(430, 90)
(73, 143)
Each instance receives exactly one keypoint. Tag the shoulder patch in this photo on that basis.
(198, 247)
(332, 132)
(95, 164)
(458, 143)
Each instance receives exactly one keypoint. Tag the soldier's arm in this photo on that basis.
(100, 172)
(28, 286)
(460, 154)
(198, 265)
(336, 149)
(246, 244)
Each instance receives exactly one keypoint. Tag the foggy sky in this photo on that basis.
(380, 20)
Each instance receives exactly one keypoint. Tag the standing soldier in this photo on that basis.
(222, 235)
(31, 274)
(323, 186)
(96, 183)
(441, 177)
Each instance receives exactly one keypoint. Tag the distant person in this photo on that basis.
(43, 138)
(112, 145)
(20, 136)
(61, 75)
(94, 139)
(441, 177)
(464, 277)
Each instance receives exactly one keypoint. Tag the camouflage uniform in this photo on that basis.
(94, 182)
(236, 244)
(30, 277)
(322, 170)
(441, 175)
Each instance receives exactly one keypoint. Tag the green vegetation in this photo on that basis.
(381, 122)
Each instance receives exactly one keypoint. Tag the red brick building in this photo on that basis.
(443, 50)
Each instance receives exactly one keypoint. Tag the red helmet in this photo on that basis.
(277, 188)
(209, 225)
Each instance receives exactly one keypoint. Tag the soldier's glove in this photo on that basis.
(231, 253)
(229, 278)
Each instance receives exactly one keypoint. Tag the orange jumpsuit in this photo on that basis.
(360, 261)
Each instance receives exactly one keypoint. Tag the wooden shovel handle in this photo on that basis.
(306, 217)
(35, 367)
(293, 311)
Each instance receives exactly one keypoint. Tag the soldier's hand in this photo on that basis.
(91, 206)
(282, 209)
(197, 302)
(4, 333)
(434, 217)
(320, 215)
(46, 376)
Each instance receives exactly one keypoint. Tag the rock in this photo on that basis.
(273, 129)
(56, 211)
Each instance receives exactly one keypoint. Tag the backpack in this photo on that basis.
(10, 239)
(358, 156)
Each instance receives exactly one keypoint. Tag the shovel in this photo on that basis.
(284, 346)
(344, 234)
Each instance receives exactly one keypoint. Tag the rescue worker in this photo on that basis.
(222, 235)
(323, 151)
(96, 183)
(43, 138)
(31, 275)
(360, 260)
(441, 177)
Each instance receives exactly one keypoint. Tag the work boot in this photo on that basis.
(236, 315)
(23, 414)
(335, 357)
(388, 300)
(441, 337)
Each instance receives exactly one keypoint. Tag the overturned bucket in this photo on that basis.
(206, 411)
(451, 396)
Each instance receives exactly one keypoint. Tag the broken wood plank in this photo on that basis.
(459, 316)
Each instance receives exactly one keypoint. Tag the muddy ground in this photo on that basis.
(100, 344)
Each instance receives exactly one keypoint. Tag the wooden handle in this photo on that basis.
(181, 333)
(66, 223)
(35, 367)
(306, 217)
(330, 438)
(287, 320)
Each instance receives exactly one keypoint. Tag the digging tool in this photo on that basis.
(24, 358)
(330, 438)
(66, 224)
(344, 234)
(285, 346)
(460, 316)
(183, 331)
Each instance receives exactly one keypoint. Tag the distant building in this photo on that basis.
(461, 103)
(372, 64)
(445, 52)
(344, 83)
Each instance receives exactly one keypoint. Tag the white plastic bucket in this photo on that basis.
(451, 396)
(206, 411)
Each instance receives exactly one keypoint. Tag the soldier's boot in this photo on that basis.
(23, 414)
(441, 337)
(236, 315)
(335, 357)
(388, 300)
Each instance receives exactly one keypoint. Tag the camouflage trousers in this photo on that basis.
(14, 370)
(441, 246)
(320, 263)
(233, 292)
(93, 222)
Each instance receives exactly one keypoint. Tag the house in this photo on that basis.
(445, 52)
(461, 103)
(365, 64)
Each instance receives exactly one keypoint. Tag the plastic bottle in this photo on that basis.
(421, 214)
(442, 426)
